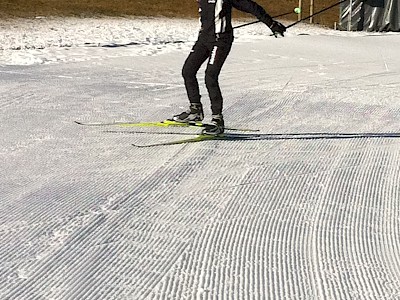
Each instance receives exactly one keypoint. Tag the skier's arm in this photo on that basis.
(253, 8)
(258, 11)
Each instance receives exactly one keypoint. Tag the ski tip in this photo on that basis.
(79, 123)
(138, 146)
(149, 146)
(145, 146)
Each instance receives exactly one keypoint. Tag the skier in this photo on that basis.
(214, 43)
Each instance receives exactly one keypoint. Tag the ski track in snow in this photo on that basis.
(85, 215)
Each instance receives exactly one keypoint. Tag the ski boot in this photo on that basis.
(193, 114)
(216, 126)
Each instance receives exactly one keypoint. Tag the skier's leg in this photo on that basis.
(219, 53)
(196, 58)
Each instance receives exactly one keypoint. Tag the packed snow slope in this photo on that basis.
(310, 210)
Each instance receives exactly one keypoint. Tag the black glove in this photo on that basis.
(277, 28)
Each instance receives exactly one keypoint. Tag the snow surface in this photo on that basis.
(311, 210)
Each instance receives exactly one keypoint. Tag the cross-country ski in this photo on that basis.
(202, 138)
(165, 123)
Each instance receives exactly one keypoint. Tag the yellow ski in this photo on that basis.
(165, 123)
(204, 137)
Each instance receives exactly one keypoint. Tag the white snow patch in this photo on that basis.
(48, 40)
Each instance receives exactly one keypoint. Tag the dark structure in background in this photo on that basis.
(370, 15)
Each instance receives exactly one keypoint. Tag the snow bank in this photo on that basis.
(48, 40)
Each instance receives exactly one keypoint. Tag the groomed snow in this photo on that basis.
(311, 210)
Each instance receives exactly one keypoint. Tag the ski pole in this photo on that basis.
(317, 13)
(258, 21)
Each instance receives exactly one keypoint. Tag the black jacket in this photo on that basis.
(216, 15)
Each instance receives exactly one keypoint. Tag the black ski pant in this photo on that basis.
(216, 50)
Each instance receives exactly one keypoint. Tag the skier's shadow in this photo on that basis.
(320, 136)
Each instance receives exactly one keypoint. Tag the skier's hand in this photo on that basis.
(277, 28)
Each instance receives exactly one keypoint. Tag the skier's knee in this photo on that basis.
(187, 73)
(211, 80)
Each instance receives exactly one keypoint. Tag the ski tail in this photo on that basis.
(125, 124)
